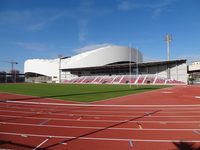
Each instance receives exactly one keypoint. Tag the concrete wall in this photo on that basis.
(194, 66)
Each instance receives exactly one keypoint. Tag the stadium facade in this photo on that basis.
(109, 64)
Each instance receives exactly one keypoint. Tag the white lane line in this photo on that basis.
(23, 106)
(114, 109)
(100, 105)
(167, 92)
(162, 122)
(98, 115)
(26, 109)
(131, 143)
(102, 139)
(39, 145)
(89, 120)
(24, 135)
(115, 128)
(139, 125)
(197, 96)
(116, 115)
(44, 122)
(197, 132)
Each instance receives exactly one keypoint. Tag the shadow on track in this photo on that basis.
(185, 146)
(15, 145)
(99, 130)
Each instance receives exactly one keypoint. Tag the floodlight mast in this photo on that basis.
(137, 50)
(12, 69)
(168, 39)
(130, 65)
(59, 67)
(12, 64)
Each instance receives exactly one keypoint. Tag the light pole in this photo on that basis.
(137, 63)
(130, 65)
(12, 69)
(60, 57)
(59, 67)
(168, 39)
(12, 65)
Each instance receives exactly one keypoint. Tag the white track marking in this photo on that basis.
(94, 109)
(38, 146)
(45, 121)
(98, 128)
(98, 115)
(167, 92)
(24, 135)
(197, 96)
(30, 108)
(67, 112)
(140, 127)
(88, 120)
(101, 139)
(62, 107)
(100, 105)
(131, 143)
(197, 132)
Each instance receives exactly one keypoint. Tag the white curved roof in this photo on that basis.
(102, 56)
(98, 57)
(47, 67)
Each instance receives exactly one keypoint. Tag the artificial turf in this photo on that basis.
(77, 92)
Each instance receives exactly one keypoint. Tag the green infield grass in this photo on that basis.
(77, 92)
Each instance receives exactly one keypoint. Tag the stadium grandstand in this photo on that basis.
(106, 65)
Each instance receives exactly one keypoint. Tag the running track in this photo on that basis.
(163, 119)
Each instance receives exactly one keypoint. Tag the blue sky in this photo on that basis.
(47, 28)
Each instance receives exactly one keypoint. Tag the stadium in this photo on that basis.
(110, 98)
(106, 65)
(65, 85)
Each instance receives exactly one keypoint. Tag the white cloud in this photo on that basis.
(86, 12)
(37, 19)
(83, 30)
(33, 20)
(32, 46)
(14, 17)
(157, 12)
(156, 6)
(36, 27)
(91, 47)
(46, 20)
(150, 59)
(127, 5)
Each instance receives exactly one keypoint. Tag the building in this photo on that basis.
(11, 77)
(194, 72)
(109, 62)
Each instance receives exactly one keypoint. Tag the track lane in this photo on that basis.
(105, 132)
(171, 124)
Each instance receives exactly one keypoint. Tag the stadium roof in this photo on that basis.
(127, 64)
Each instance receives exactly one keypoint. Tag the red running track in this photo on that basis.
(163, 119)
